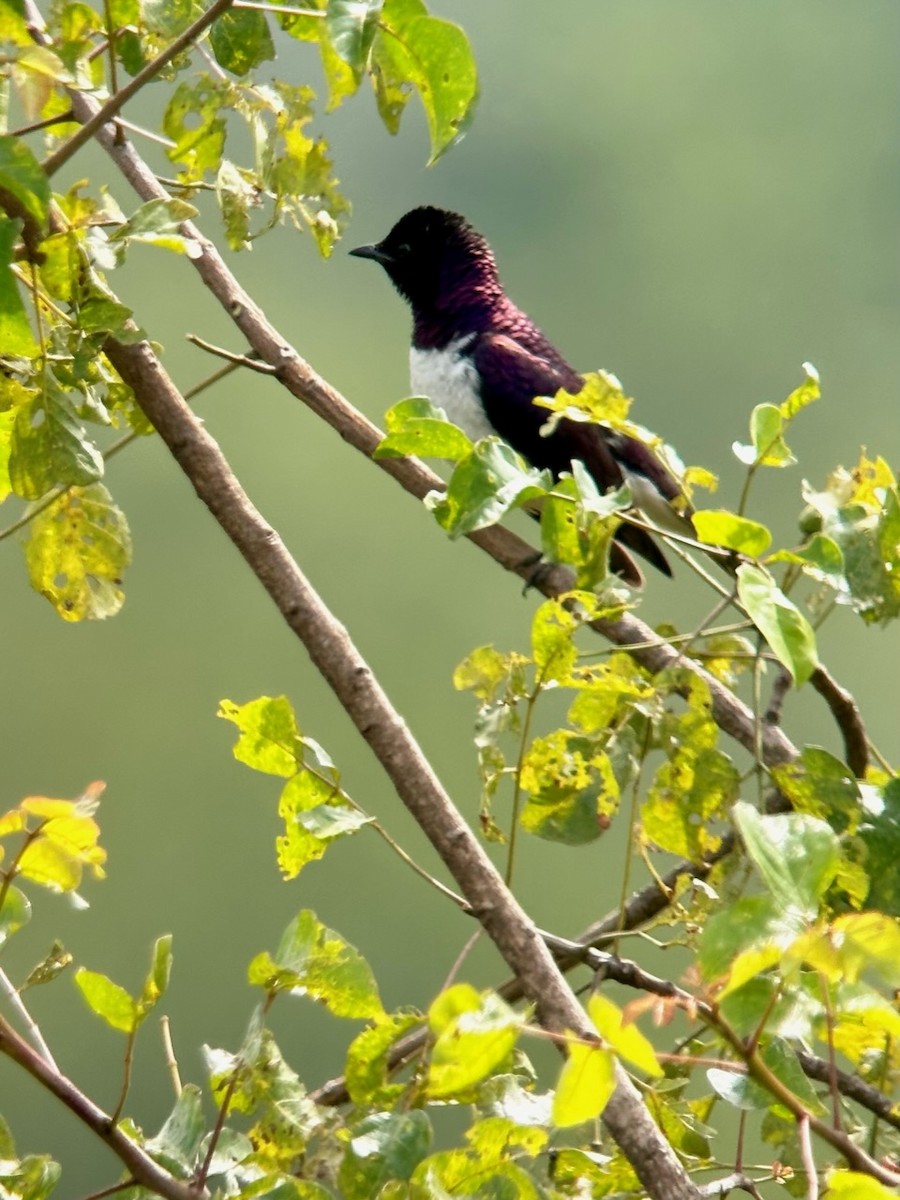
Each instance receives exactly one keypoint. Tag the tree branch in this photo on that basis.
(145, 1171)
(330, 648)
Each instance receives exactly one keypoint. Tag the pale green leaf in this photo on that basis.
(790, 636)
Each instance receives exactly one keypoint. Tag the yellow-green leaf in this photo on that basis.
(626, 1039)
(721, 528)
(77, 551)
(107, 999)
(585, 1084)
(269, 738)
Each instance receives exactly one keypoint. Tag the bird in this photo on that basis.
(480, 358)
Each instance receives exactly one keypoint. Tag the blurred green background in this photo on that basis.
(694, 195)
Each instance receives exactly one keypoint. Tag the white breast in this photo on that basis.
(449, 379)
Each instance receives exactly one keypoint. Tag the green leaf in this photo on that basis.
(820, 784)
(485, 485)
(24, 187)
(49, 968)
(240, 40)
(475, 1036)
(351, 26)
(31, 1178)
(77, 551)
(315, 813)
(313, 960)
(851, 1185)
(796, 855)
(16, 337)
(177, 1145)
(157, 981)
(780, 1058)
(108, 1000)
(553, 649)
(626, 1039)
(13, 28)
(435, 57)
(736, 533)
(366, 1068)
(49, 446)
(461, 1173)
(808, 391)
(821, 555)
(269, 738)
(879, 833)
(695, 785)
(261, 1083)
(573, 791)
(156, 216)
(235, 194)
(15, 913)
(585, 1084)
(738, 1089)
(734, 928)
(195, 122)
(382, 1147)
(416, 427)
(768, 447)
(790, 636)
(168, 18)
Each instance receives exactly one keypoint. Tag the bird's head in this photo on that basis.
(437, 262)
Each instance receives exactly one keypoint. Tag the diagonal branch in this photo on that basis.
(142, 1167)
(339, 662)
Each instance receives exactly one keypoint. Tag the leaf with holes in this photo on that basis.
(77, 551)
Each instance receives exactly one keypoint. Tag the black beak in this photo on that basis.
(375, 252)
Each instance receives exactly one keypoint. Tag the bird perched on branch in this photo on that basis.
(481, 359)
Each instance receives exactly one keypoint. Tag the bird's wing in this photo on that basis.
(511, 376)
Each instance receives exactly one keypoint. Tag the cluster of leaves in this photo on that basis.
(787, 958)
(54, 841)
(850, 531)
(56, 250)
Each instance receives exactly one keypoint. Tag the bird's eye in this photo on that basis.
(404, 248)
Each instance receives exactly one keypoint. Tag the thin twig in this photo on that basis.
(16, 1001)
(126, 1075)
(169, 1052)
(809, 1162)
(112, 1190)
(219, 1126)
(241, 360)
(45, 123)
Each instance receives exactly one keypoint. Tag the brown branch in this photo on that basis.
(145, 1171)
(846, 712)
(780, 689)
(340, 664)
